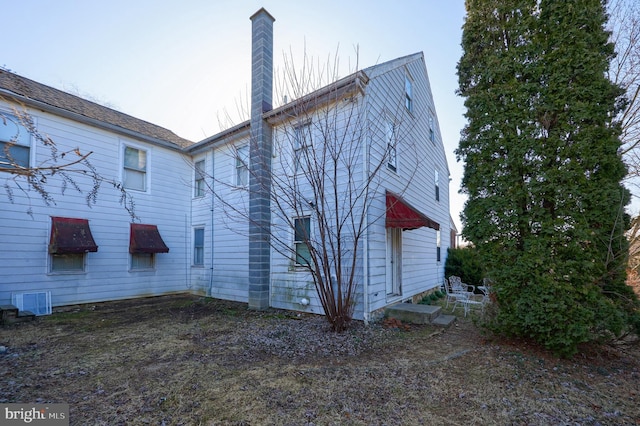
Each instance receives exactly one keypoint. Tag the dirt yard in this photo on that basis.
(185, 360)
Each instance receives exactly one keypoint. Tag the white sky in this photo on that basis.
(181, 64)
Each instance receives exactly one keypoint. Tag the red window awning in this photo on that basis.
(402, 215)
(146, 239)
(70, 236)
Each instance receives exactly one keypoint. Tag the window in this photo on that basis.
(135, 169)
(301, 239)
(242, 166)
(142, 261)
(391, 147)
(437, 181)
(432, 132)
(301, 141)
(144, 242)
(15, 142)
(69, 242)
(199, 178)
(198, 246)
(408, 95)
(68, 262)
(438, 245)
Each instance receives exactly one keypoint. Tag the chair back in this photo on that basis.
(456, 283)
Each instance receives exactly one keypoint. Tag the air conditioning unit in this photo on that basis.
(38, 302)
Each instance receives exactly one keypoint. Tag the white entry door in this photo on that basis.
(394, 262)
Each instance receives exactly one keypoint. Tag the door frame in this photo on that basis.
(393, 286)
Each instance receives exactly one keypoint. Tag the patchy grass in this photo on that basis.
(182, 360)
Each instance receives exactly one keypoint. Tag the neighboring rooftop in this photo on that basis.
(22, 88)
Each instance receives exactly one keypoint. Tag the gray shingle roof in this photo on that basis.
(28, 89)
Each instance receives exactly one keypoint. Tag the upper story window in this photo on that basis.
(199, 179)
(408, 94)
(242, 166)
(15, 142)
(432, 131)
(301, 141)
(135, 169)
(392, 160)
(437, 182)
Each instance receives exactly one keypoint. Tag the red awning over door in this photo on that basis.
(402, 215)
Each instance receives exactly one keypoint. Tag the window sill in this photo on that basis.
(54, 273)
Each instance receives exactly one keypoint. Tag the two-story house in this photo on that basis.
(230, 216)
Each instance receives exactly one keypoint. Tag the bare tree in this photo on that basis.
(66, 166)
(326, 171)
(624, 70)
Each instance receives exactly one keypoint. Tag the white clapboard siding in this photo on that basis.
(24, 259)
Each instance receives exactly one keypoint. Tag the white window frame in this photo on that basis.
(408, 93)
(58, 271)
(198, 250)
(432, 129)
(135, 266)
(437, 184)
(242, 166)
(199, 178)
(392, 146)
(142, 170)
(20, 138)
(301, 143)
(438, 244)
(300, 242)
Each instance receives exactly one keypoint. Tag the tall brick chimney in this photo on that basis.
(260, 160)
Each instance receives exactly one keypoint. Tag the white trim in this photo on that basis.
(148, 151)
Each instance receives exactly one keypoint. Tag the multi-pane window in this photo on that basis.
(438, 245)
(392, 160)
(15, 142)
(199, 178)
(67, 262)
(142, 261)
(135, 169)
(198, 246)
(408, 94)
(242, 166)
(301, 142)
(437, 182)
(301, 239)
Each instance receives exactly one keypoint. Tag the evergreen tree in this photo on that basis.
(542, 169)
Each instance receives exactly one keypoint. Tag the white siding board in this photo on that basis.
(25, 260)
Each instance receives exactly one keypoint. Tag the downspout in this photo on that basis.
(213, 182)
(365, 212)
(187, 269)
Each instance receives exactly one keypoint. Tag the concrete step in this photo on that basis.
(444, 320)
(9, 314)
(419, 314)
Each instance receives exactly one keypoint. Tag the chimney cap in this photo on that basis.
(262, 11)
